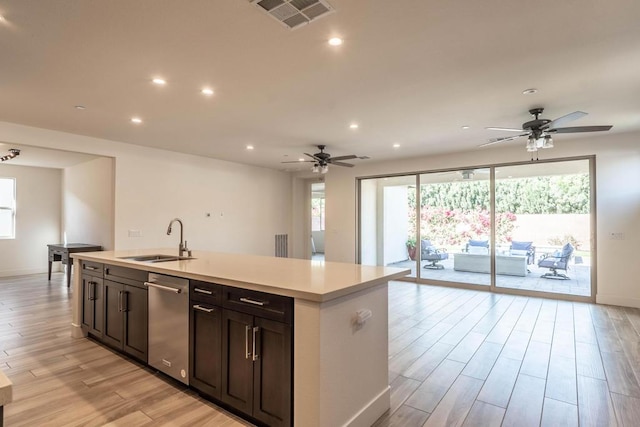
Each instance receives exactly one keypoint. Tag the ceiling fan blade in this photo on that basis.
(505, 139)
(565, 119)
(300, 161)
(312, 156)
(581, 129)
(349, 157)
(505, 129)
(348, 165)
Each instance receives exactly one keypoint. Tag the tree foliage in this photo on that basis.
(563, 194)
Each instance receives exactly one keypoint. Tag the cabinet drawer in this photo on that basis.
(209, 293)
(92, 268)
(260, 304)
(128, 276)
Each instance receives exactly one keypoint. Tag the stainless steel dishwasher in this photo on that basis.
(169, 325)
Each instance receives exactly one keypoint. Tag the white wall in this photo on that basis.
(618, 202)
(396, 228)
(248, 205)
(369, 223)
(38, 206)
(88, 202)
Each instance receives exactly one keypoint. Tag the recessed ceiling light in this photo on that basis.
(2, 18)
(465, 127)
(529, 91)
(250, 147)
(207, 91)
(396, 145)
(136, 120)
(79, 107)
(158, 81)
(353, 126)
(335, 41)
(301, 159)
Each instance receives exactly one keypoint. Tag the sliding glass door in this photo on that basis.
(546, 244)
(455, 226)
(520, 228)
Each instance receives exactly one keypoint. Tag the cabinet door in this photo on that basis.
(237, 364)
(272, 372)
(206, 348)
(92, 305)
(113, 318)
(135, 322)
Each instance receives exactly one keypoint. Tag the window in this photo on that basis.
(7, 208)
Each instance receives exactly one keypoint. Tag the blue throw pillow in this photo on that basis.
(521, 246)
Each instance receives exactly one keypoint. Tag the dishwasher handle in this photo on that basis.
(163, 287)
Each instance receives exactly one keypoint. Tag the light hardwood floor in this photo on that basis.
(456, 357)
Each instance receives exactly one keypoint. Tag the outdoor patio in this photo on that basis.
(578, 284)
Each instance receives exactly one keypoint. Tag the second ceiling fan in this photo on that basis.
(539, 130)
(322, 160)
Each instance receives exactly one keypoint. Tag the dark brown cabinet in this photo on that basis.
(205, 333)
(121, 307)
(257, 355)
(92, 299)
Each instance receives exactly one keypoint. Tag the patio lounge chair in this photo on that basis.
(430, 253)
(558, 261)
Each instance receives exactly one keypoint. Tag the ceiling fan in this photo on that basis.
(539, 130)
(322, 160)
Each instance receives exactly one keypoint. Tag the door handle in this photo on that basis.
(255, 353)
(247, 329)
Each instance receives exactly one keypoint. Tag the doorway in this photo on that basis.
(317, 210)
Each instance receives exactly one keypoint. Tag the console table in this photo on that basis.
(477, 263)
(61, 251)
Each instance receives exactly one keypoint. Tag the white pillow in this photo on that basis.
(478, 250)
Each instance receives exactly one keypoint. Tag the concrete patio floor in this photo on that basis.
(579, 282)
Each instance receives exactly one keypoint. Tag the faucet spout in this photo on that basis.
(182, 247)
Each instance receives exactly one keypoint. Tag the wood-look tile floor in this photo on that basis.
(469, 358)
(62, 381)
(456, 357)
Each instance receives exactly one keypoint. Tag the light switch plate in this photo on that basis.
(135, 233)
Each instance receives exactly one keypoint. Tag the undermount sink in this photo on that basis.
(156, 258)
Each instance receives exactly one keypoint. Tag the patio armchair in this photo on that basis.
(523, 249)
(558, 261)
(433, 255)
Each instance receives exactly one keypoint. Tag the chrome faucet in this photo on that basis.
(182, 247)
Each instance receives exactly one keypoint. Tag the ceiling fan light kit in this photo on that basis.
(538, 131)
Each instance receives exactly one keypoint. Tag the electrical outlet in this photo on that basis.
(135, 233)
(616, 236)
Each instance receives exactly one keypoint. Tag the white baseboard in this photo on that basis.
(618, 300)
(372, 411)
(23, 272)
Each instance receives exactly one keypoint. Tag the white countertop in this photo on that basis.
(317, 281)
(5, 389)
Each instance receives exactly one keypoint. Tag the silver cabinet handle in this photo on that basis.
(92, 291)
(205, 309)
(89, 267)
(255, 353)
(119, 300)
(254, 302)
(202, 291)
(125, 301)
(247, 329)
(163, 287)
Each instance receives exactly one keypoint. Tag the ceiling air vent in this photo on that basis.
(294, 13)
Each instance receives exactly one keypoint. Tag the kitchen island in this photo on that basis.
(340, 368)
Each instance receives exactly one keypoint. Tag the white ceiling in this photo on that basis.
(411, 72)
